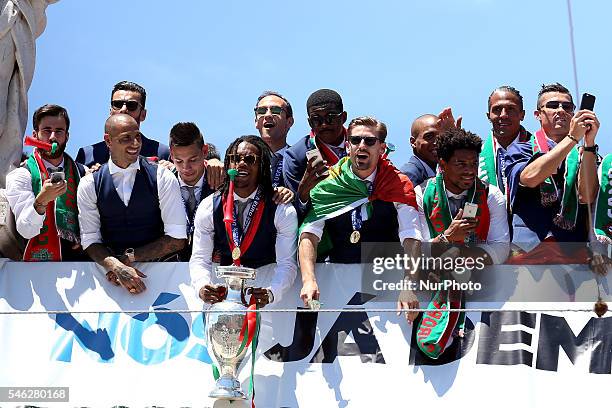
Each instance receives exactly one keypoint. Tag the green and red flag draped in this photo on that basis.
(343, 191)
(603, 209)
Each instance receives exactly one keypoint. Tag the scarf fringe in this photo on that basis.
(69, 236)
(563, 223)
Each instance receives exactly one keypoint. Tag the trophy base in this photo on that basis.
(227, 388)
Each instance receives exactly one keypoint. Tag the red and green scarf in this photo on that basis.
(61, 220)
(328, 154)
(603, 207)
(343, 191)
(437, 211)
(568, 212)
(438, 324)
(487, 165)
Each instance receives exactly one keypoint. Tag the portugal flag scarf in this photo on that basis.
(568, 212)
(603, 208)
(343, 191)
(487, 165)
(61, 220)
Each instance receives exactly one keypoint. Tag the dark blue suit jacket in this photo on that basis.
(294, 167)
(415, 170)
(98, 153)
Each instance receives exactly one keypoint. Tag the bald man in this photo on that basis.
(423, 134)
(119, 228)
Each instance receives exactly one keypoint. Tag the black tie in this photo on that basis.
(240, 208)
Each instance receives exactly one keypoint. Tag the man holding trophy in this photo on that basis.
(242, 229)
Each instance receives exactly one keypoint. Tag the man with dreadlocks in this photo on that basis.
(551, 180)
(263, 232)
(441, 202)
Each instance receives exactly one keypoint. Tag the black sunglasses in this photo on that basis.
(275, 110)
(329, 119)
(236, 158)
(369, 141)
(567, 106)
(131, 105)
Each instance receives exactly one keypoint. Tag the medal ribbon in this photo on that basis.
(242, 239)
(278, 172)
(356, 218)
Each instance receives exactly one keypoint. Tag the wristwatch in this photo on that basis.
(593, 149)
(129, 253)
(443, 237)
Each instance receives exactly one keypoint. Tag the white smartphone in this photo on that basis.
(319, 158)
(58, 176)
(470, 210)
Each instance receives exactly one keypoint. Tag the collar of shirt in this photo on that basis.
(430, 172)
(370, 178)
(453, 195)
(250, 197)
(48, 165)
(113, 168)
(281, 150)
(197, 185)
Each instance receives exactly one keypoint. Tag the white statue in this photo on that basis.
(21, 22)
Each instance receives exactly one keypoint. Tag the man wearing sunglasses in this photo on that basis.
(365, 199)
(273, 119)
(551, 179)
(128, 209)
(262, 232)
(326, 117)
(129, 98)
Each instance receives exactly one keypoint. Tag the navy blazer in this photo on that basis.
(294, 167)
(415, 170)
(98, 153)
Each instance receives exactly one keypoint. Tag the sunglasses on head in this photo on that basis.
(329, 119)
(248, 159)
(275, 110)
(566, 106)
(131, 105)
(369, 141)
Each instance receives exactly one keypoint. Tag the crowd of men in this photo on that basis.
(129, 199)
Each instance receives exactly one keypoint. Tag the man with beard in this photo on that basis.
(550, 179)
(423, 134)
(364, 199)
(128, 209)
(505, 112)
(45, 207)
(262, 232)
(326, 117)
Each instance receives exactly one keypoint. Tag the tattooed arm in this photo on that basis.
(159, 248)
(119, 273)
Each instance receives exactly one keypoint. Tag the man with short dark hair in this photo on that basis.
(423, 134)
(45, 209)
(128, 209)
(273, 119)
(326, 117)
(188, 152)
(551, 180)
(128, 98)
(262, 232)
(505, 112)
(365, 199)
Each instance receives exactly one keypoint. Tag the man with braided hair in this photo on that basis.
(262, 233)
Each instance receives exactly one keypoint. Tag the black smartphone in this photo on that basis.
(587, 102)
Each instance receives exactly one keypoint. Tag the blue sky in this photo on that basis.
(207, 62)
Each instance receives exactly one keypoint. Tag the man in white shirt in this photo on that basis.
(128, 209)
(262, 232)
(45, 207)
(383, 209)
(188, 153)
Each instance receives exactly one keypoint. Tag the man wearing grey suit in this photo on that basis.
(423, 134)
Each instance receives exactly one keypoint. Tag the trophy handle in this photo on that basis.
(243, 293)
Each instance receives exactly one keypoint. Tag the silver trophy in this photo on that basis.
(223, 325)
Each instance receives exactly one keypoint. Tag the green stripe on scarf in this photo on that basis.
(487, 162)
(568, 212)
(603, 209)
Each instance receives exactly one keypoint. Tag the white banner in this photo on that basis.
(358, 359)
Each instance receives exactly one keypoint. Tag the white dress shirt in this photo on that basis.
(407, 218)
(428, 170)
(21, 199)
(168, 191)
(498, 238)
(285, 222)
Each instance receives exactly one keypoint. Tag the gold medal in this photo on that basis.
(355, 237)
(235, 253)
